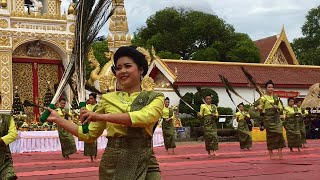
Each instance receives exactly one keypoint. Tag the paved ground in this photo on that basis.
(189, 162)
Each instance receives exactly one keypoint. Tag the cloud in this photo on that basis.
(258, 18)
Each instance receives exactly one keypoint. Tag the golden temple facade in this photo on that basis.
(36, 39)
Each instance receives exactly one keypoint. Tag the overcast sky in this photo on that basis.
(258, 18)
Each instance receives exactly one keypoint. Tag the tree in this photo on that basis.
(307, 48)
(195, 100)
(194, 35)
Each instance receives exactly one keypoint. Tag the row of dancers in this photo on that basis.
(129, 117)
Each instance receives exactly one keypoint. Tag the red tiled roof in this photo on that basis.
(207, 73)
(265, 46)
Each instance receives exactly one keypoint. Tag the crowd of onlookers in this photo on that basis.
(312, 127)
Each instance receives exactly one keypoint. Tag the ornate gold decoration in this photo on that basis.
(46, 72)
(52, 7)
(4, 23)
(47, 52)
(279, 58)
(20, 5)
(282, 38)
(107, 83)
(161, 81)
(71, 9)
(21, 37)
(38, 15)
(96, 74)
(176, 119)
(146, 53)
(27, 25)
(72, 28)
(147, 84)
(4, 4)
(58, 7)
(35, 36)
(24, 83)
(118, 27)
(70, 44)
(118, 2)
(6, 80)
(4, 41)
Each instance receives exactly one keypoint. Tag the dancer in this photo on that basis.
(90, 149)
(168, 127)
(209, 114)
(8, 134)
(244, 133)
(68, 145)
(292, 126)
(270, 107)
(303, 114)
(129, 116)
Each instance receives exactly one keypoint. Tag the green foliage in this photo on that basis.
(191, 122)
(195, 35)
(188, 97)
(246, 107)
(207, 54)
(307, 48)
(206, 92)
(195, 101)
(99, 50)
(168, 55)
(244, 49)
(225, 111)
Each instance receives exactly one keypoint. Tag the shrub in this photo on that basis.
(206, 92)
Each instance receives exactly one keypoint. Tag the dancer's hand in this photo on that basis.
(54, 116)
(87, 116)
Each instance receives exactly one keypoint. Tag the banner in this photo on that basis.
(286, 94)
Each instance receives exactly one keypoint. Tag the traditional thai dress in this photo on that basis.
(8, 134)
(210, 126)
(68, 145)
(90, 149)
(272, 122)
(244, 133)
(292, 126)
(129, 153)
(168, 128)
(302, 126)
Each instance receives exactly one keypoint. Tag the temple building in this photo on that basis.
(36, 39)
(278, 63)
